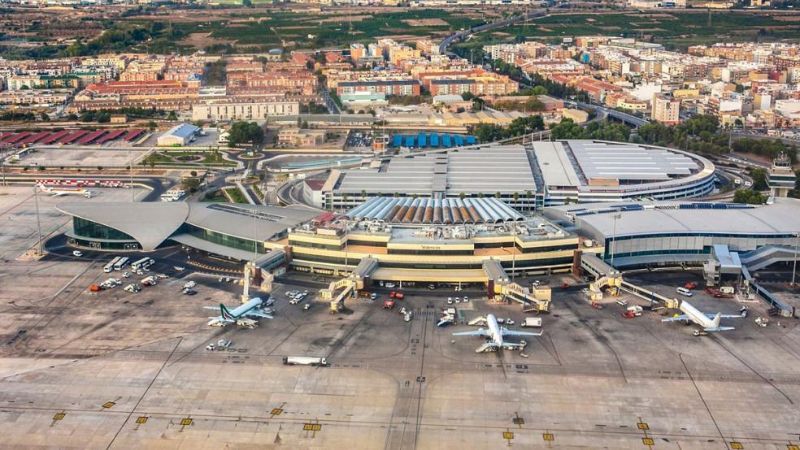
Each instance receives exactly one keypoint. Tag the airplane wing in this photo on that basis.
(679, 318)
(507, 332)
(259, 314)
(478, 332)
(720, 328)
(724, 316)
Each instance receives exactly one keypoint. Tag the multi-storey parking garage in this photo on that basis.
(529, 177)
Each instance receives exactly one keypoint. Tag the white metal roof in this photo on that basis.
(557, 170)
(629, 162)
(779, 218)
(152, 223)
(486, 169)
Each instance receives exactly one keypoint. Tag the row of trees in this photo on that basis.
(122, 37)
(489, 132)
(699, 134)
(765, 147)
(608, 131)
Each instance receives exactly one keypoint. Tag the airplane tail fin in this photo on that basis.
(715, 321)
(224, 312)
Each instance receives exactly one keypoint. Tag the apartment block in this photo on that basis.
(666, 109)
(229, 109)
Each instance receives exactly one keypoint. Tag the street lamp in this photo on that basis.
(794, 264)
(38, 221)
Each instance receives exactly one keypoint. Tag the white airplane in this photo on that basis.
(61, 191)
(709, 322)
(495, 333)
(244, 315)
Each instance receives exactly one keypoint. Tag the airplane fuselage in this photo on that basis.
(242, 310)
(494, 330)
(698, 317)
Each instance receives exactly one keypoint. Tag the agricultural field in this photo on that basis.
(674, 29)
(262, 30)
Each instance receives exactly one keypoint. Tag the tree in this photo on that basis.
(245, 133)
(172, 116)
(539, 90)
(152, 125)
(191, 184)
(568, 129)
(749, 196)
(759, 179)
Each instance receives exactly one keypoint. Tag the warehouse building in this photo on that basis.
(179, 135)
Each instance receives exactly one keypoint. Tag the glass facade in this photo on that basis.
(689, 243)
(94, 230)
(224, 239)
(104, 245)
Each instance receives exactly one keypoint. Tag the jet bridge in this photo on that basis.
(498, 283)
(349, 285)
(604, 276)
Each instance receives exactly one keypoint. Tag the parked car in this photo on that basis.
(77, 253)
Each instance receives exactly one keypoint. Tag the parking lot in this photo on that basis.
(590, 381)
(359, 141)
(18, 231)
(77, 156)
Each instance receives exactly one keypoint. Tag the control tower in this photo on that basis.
(781, 176)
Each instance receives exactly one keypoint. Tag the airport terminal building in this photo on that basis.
(529, 177)
(676, 233)
(422, 239)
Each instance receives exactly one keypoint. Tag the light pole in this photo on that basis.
(38, 222)
(794, 264)
(614, 236)
(514, 253)
(130, 175)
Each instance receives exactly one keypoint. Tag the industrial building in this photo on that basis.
(529, 177)
(178, 135)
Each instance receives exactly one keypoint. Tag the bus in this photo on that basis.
(110, 266)
(143, 263)
(121, 263)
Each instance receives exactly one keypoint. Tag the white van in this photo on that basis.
(684, 291)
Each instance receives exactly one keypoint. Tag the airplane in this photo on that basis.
(244, 315)
(61, 191)
(495, 333)
(709, 322)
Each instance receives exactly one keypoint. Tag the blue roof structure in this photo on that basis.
(183, 130)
